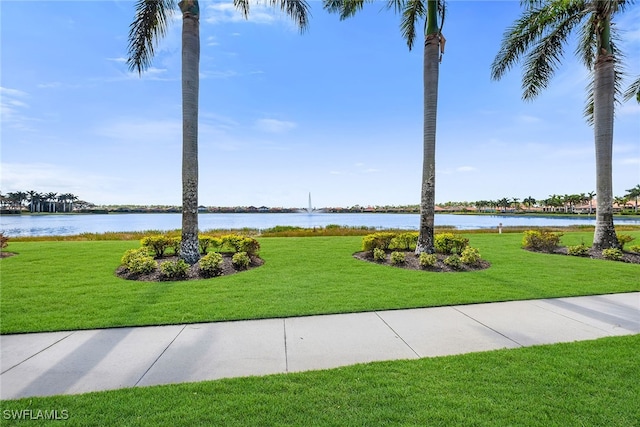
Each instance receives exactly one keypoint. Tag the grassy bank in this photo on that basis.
(591, 383)
(53, 285)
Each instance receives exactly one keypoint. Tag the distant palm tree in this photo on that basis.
(634, 193)
(150, 23)
(413, 12)
(529, 201)
(539, 36)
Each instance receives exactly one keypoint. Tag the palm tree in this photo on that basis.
(529, 201)
(414, 11)
(539, 36)
(150, 23)
(634, 193)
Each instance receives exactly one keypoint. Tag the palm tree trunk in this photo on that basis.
(603, 110)
(189, 251)
(427, 200)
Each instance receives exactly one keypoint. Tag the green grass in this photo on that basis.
(54, 285)
(590, 383)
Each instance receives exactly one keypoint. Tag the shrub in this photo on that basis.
(206, 242)
(635, 248)
(405, 241)
(211, 264)
(427, 260)
(239, 243)
(612, 254)
(249, 245)
(397, 258)
(541, 240)
(138, 261)
(453, 261)
(379, 255)
(470, 256)
(175, 244)
(240, 261)
(174, 269)
(578, 250)
(4, 241)
(623, 239)
(381, 240)
(450, 243)
(158, 244)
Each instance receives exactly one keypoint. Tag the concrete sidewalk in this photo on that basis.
(73, 362)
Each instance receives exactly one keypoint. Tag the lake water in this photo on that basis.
(64, 225)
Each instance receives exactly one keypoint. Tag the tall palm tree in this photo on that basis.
(413, 12)
(539, 36)
(150, 23)
(590, 196)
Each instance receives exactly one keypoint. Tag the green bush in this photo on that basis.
(450, 243)
(623, 239)
(398, 258)
(174, 269)
(381, 240)
(541, 240)
(404, 241)
(453, 261)
(211, 264)
(175, 244)
(470, 256)
(635, 248)
(240, 260)
(427, 260)
(206, 242)
(238, 243)
(249, 245)
(157, 244)
(138, 261)
(379, 255)
(578, 250)
(612, 254)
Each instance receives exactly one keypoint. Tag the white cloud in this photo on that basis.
(466, 169)
(120, 59)
(45, 177)
(259, 13)
(153, 131)
(274, 126)
(12, 109)
(525, 118)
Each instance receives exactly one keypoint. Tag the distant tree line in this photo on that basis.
(34, 201)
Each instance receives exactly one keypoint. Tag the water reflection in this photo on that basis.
(63, 225)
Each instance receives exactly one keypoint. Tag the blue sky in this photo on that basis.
(336, 111)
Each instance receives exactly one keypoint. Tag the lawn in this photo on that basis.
(590, 383)
(62, 285)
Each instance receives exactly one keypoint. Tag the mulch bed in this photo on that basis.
(194, 272)
(630, 257)
(412, 263)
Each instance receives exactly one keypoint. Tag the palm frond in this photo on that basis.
(412, 13)
(633, 90)
(298, 11)
(544, 58)
(243, 7)
(588, 43)
(345, 8)
(149, 25)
